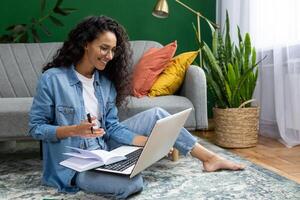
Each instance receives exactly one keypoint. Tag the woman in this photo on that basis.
(89, 75)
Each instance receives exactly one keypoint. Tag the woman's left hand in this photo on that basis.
(86, 129)
(97, 132)
(139, 140)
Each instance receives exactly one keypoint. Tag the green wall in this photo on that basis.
(135, 15)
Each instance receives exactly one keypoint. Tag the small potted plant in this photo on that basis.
(231, 72)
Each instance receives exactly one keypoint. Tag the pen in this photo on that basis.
(90, 120)
(100, 120)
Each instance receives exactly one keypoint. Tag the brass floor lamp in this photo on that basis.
(161, 10)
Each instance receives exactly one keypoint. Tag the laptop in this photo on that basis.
(158, 145)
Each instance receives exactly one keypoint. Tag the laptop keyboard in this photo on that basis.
(124, 164)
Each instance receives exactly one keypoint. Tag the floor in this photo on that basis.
(270, 154)
(20, 178)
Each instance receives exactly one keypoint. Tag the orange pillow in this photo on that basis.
(151, 64)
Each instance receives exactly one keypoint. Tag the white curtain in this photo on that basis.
(274, 27)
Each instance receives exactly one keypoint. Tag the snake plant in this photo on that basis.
(231, 70)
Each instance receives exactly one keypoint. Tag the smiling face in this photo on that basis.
(100, 51)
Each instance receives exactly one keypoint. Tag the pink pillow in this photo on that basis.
(151, 64)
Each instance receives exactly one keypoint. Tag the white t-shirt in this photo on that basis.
(89, 98)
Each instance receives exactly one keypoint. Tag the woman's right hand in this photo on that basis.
(84, 129)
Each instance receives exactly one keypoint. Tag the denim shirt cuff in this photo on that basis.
(130, 138)
(127, 137)
(50, 133)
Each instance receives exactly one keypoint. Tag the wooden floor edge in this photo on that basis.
(273, 169)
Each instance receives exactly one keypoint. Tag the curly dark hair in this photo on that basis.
(88, 30)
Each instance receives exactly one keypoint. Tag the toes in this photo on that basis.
(242, 166)
(239, 167)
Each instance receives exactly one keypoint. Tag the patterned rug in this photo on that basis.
(184, 179)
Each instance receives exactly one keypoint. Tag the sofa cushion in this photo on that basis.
(170, 80)
(171, 103)
(148, 68)
(14, 116)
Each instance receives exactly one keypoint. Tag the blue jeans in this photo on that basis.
(122, 186)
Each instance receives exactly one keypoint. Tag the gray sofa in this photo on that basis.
(20, 68)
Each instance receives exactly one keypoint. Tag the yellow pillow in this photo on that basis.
(172, 77)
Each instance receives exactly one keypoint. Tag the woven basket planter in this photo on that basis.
(236, 127)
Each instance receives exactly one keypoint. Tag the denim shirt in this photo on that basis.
(59, 102)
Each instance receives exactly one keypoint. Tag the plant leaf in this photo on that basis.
(228, 93)
(241, 81)
(247, 52)
(213, 62)
(69, 10)
(221, 57)
(17, 37)
(43, 5)
(44, 29)
(55, 21)
(228, 45)
(6, 38)
(59, 11)
(11, 27)
(35, 35)
(239, 34)
(18, 28)
(253, 58)
(216, 91)
(212, 28)
(24, 38)
(231, 76)
(215, 43)
(196, 34)
(58, 3)
(236, 69)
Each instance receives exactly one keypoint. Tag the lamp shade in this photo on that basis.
(161, 9)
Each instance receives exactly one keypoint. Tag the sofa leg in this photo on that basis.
(41, 150)
(175, 155)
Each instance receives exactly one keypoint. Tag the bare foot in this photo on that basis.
(217, 163)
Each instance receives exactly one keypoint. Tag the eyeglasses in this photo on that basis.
(104, 50)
